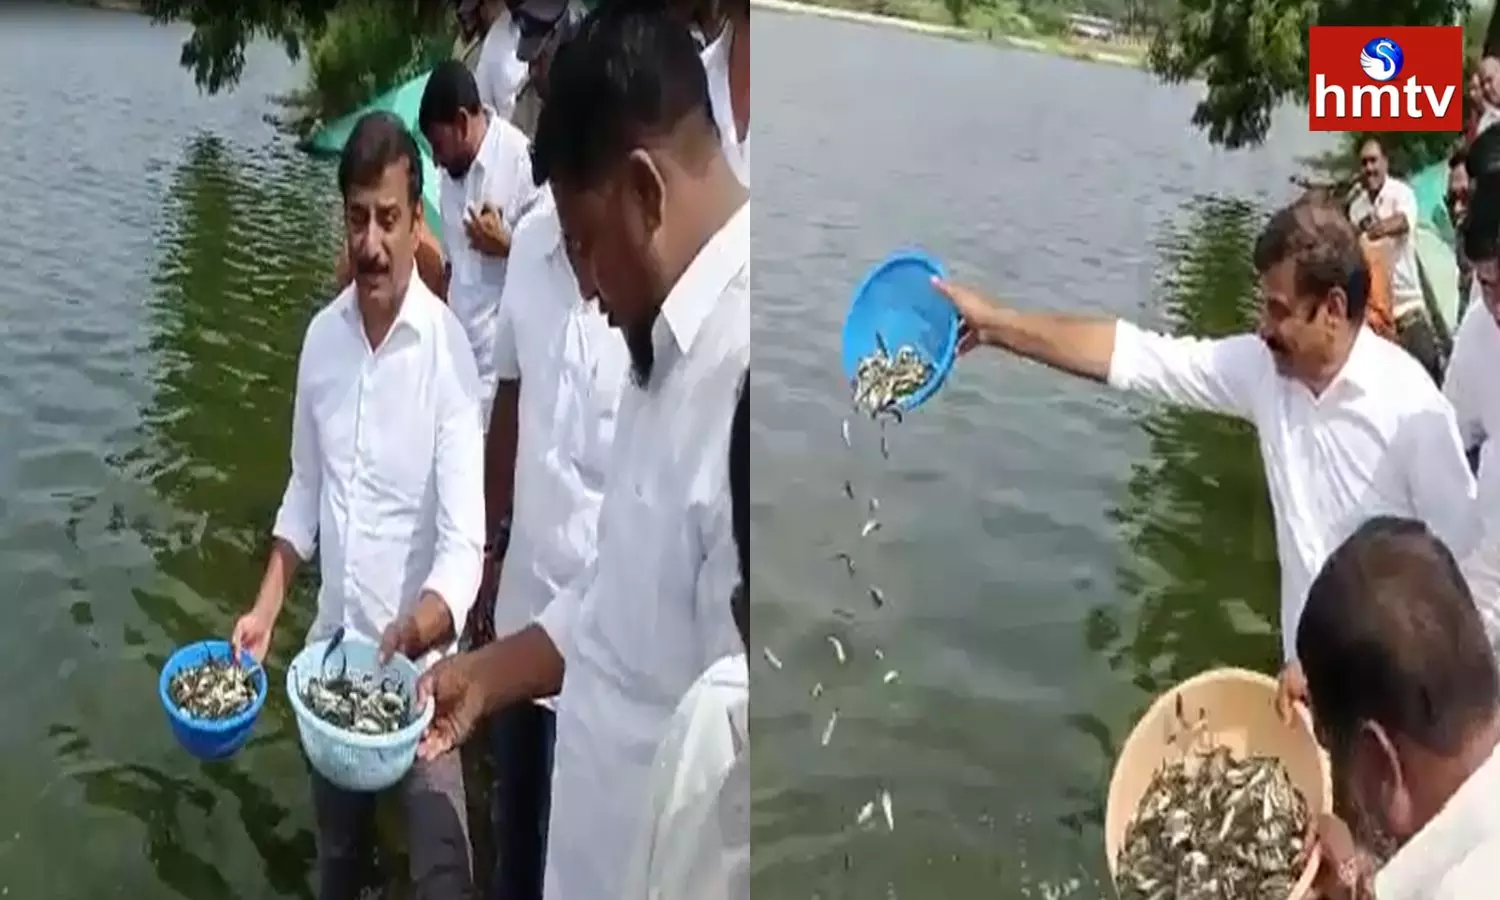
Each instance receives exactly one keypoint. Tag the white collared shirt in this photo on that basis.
(500, 177)
(571, 365)
(653, 610)
(716, 66)
(1395, 198)
(1470, 385)
(1380, 440)
(1456, 856)
(499, 74)
(696, 840)
(387, 465)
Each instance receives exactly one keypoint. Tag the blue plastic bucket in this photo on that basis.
(896, 303)
(203, 738)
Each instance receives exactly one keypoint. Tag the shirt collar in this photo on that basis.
(408, 316)
(1468, 819)
(697, 291)
(1362, 364)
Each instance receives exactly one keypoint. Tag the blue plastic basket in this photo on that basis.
(207, 739)
(355, 762)
(897, 302)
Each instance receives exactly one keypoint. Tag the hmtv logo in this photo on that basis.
(1404, 78)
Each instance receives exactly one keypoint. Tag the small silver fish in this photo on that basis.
(848, 489)
(879, 653)
(889, 677)
(817, 691)
(838, 648)
(874, 505)
(865, 812)
(771, 657)
(848, 441)
(848, 562)
(885, 807)
(828, 729)
(885, 449)
(869, 528)
(877, 596)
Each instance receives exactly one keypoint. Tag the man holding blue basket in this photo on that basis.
(387, 484)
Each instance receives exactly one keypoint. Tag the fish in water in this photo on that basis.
(1211, 825)
(869, 528)
(877, 596)
(884, 381)
(213, 690)
(847, 560)
(848, 442)
(848, 489)
(359, 703)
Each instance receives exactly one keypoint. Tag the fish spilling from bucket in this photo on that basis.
(1212, 826)
(213, 690)
(883, 381)
(359, 703)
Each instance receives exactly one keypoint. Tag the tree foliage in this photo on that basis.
(222, 29)
(1252, 54)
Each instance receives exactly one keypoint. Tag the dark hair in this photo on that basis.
(630, 75)
(739, 499)
(450, 89)
(1391, 635)
(1482, 221)
(1317, 237)
(379, 140)
(1459, 157)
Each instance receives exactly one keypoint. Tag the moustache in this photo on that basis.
(370, 267)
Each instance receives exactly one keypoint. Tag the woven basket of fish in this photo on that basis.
(359, 722)
(1212, 796)
(211, 699)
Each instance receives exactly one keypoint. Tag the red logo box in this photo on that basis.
(1401, 78)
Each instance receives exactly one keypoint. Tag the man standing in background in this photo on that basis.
(1384, 212)
(498, 72)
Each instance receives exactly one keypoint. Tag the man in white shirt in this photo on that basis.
(1473, 387)
(1407, 700)
(653, 213)
(1384, 210)
(1349, 425)
(499, 74)
(696, 839)
(557, 351)
(487, 188)
(386, 457)
(725, 30)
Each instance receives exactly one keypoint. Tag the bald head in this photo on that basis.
(1390, 636)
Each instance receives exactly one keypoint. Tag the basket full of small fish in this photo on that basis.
(900, 335)
(1212, 826)
(1213, 794)
(358, 721)
(212, 699)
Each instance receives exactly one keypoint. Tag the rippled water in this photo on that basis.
(162, 255)
(1052, 553)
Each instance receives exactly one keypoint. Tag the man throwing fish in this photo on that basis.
(1349, 424)
(387, 484)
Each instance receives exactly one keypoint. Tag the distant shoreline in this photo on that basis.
(1057, 47)
(132, 6)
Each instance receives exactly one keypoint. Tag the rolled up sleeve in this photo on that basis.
(558, 616)
(297, 518)
(459, 476)
(1442, 487)
(1466, 382)
(1219, 375)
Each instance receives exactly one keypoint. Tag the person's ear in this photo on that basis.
(1381, 780)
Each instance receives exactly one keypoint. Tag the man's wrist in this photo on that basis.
(497, 535)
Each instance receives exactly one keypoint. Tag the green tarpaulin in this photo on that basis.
(404, 101)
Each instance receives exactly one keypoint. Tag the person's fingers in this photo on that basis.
(425, 686)
(968, 339)
(387, 646)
